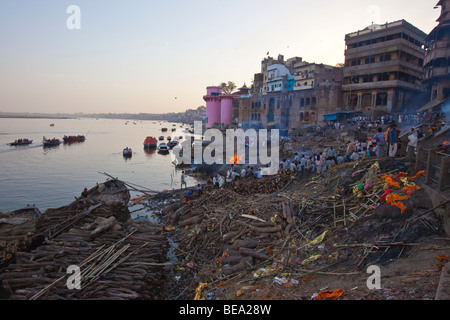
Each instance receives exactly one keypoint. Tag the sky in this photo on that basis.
(146, 56)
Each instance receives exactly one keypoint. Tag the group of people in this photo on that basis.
(234, 174)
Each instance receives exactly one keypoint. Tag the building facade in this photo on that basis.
(436, 71)
(383, 68)
(277, 101)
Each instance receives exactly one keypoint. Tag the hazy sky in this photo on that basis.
(159, 56)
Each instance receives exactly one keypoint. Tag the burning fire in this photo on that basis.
(235, 159)
(444, 146)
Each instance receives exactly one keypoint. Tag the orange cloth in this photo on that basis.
(410, 189)
(399, 205)
(418, 174)
(395, 197)
(330, 294)
(391, 182)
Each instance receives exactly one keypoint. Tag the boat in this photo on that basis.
(163, 129)
(163, 148)
(174, 129)
(172, 144)
(71, 139)
(161, 138)
(150, 142)
(21, 142)
(111, 191)
(51, 142)
(127, 152)
(169, 138)
(52, 125)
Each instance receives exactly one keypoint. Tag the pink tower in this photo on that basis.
(213, 106)
(226, 109)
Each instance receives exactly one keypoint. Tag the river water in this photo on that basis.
(52, 177)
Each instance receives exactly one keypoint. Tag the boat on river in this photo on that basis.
(51, 142)
(127, 152)
(163, 148)
(21, 142)
(72, 139)
(150, 142)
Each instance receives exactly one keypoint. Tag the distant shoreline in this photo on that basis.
(33, 117)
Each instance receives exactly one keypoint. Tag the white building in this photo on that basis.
(276, 74)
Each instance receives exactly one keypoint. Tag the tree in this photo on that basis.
(228, 88)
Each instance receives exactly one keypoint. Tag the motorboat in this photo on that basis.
(150, 142)
(163, 148)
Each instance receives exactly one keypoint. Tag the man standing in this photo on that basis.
(380, 141)
(183, 181)
(392, 135)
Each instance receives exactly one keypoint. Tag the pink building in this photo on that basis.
(212, 106)
(219, 107)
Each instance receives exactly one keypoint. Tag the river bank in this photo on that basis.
(289, 236)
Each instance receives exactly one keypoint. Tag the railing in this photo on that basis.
(436, 165)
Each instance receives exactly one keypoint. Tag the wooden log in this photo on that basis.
(244, 264)
(230, 235)
(248, 243)
(252, 253)
(274, 229)
(231, 259)
(191, 221)
(103, 226)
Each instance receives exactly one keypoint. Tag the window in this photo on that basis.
(302, 102)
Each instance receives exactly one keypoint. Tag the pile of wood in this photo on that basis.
(298, 229)
(268, 184)
(118, 258)
(117, 261)
(16, 232)
(233, 231)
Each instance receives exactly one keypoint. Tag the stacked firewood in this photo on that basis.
(116, 260)
(16, 234)
(241, 231)
(268, 184)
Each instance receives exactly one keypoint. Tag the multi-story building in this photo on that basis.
(276, 100)
(437, 56)
(383, 68)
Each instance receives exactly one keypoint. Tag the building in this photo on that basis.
(437, 56)
(276, 101)
(383, 68)
(219, 107)
(277, 75)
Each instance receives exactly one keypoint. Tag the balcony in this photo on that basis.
(380, 67)
(382, 85)
(376, 48)
(437, 72)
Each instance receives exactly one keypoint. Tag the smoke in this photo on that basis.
(446, 110)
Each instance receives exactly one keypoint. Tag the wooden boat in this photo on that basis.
(172, 144)
(21, 142)
(163, 148)
(111, 191)
(150, 142)
(51, 142)
(127, 152)
(72, 139)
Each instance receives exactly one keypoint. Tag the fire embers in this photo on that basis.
(444, 147)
